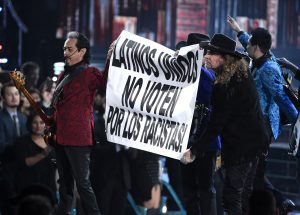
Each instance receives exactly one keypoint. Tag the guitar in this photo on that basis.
(19, 81)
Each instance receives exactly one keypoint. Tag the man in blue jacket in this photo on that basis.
(268, 80)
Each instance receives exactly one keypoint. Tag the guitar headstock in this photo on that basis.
(18, 78)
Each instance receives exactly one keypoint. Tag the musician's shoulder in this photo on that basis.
(93, 70)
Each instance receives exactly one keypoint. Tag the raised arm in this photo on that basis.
(242, 35)
(233, 24)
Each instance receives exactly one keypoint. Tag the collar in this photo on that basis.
(12, 113)
(69, 69)
(257, 63)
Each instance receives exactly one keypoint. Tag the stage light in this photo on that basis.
(3, 60)
(1, 8)
(164, 209)
(58, 67)
(54, 78)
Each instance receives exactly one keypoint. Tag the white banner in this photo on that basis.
(151, 95)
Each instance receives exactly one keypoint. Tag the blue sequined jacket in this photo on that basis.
(268, 80)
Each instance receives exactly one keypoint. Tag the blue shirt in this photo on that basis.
(205, 88)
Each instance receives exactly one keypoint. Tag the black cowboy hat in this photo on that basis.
(222, 44)
(196, 38)
(181, 44)
(193, 38)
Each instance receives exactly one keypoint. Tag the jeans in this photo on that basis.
(238, 186)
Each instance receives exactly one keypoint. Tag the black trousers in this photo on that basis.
(262, 182)
(198, 185)
(238, 187)
(111, 184)
(175, 178)
(74, 163)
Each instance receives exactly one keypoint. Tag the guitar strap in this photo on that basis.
(67, 79)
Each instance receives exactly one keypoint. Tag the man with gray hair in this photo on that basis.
(73, 119)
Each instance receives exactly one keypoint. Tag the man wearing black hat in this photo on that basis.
(198, 184)
(236, 116)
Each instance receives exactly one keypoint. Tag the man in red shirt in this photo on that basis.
(74, 121)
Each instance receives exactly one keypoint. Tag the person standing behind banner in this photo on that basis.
(112, 183)
(73, 118)
(268, 80)
(198, 177)
(146, 183)
(236, 116)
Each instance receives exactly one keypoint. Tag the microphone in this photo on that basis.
(68, 57)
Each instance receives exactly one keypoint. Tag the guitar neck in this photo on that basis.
(19, 82)
(36, 107)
